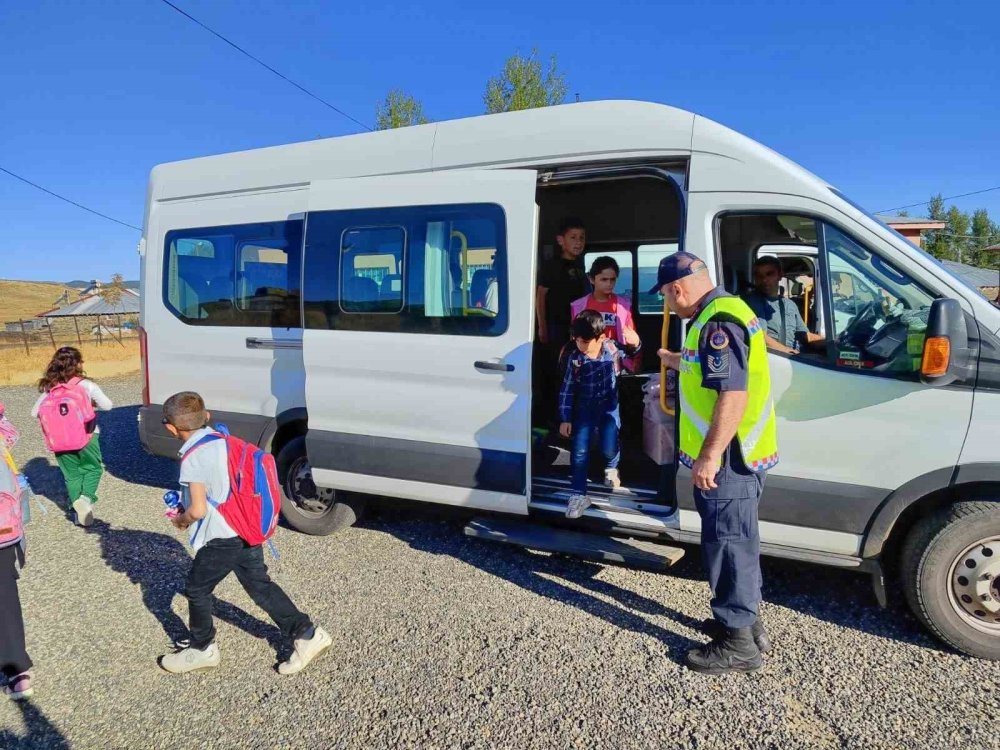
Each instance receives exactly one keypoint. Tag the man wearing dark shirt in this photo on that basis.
(726, 461)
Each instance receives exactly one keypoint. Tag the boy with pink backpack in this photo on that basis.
(66, 412)
(231, 500)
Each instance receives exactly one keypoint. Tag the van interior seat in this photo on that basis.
(479, 286)
(360, 292)
(390, 288)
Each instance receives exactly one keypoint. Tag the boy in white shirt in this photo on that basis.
(219, 551)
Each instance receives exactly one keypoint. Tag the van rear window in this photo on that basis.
(237, 275)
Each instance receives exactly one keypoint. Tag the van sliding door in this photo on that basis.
(417, 342)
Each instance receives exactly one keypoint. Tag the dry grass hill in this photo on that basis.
(25, 299)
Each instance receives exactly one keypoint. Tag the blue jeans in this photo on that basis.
(587, 423)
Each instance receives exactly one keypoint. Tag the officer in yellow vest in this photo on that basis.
(727, 437)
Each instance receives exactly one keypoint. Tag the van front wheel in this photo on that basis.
(951, 571)
(306, 507)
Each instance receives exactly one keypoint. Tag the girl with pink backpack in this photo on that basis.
(66, 413)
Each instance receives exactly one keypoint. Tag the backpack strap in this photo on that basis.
(203, 441)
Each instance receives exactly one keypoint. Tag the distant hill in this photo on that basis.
(25, 299)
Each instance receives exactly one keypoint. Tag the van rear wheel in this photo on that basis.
(951, 571)
(308, 508)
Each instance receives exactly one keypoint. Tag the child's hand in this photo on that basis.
(565, 429)
(631, 337)
(180, 522)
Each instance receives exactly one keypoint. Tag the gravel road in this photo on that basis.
(441, 641)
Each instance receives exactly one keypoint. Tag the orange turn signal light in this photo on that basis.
(937, 355)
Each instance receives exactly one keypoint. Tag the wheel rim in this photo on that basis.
(309, 499)
(975, 585)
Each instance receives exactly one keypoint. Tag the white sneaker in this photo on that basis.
(190, 660)
(612, 479)
(577, 504)
(84, 510)
(305, 651)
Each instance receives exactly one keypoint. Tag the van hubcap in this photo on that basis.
(308, 498)
(975, 585)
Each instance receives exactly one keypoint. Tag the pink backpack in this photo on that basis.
(65, 414)
(11, 508)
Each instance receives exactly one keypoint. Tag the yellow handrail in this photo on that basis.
(664, 332)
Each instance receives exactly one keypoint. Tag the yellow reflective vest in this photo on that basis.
(757, 432)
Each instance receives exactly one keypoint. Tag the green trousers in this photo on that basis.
(82, 470)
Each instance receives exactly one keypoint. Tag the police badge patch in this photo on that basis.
(718, 340)
(717, 362)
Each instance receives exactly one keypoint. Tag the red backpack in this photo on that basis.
(254, 501)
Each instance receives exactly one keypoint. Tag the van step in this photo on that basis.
(631, 552)
(557, 490)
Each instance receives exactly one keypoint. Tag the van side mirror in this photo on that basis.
(947, 355)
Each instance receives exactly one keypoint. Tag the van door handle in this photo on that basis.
(482, 364)
(256, 343)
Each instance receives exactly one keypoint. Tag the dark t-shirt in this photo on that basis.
(566, 281)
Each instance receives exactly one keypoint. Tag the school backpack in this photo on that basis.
(65, 413)
(254, 501)
(11, 508)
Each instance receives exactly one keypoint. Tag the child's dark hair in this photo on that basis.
(588, 325)
(570, 222)
(602, 264)
(767, 260)
(185, 411)
(66, 364)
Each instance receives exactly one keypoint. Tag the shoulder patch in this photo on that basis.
(718, 340)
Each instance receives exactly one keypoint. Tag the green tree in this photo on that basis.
(524, 85)
(958, 234)
(935, 242)
(981, 231)
(399, 110)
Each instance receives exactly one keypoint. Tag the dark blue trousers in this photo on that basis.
(730, 542)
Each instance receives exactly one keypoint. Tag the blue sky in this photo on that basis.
(890, 101)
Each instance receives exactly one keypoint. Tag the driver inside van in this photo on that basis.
(785, 330)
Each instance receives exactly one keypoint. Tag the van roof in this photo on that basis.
(564, 134)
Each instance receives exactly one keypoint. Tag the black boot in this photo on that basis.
(715, 630)
(734, 652)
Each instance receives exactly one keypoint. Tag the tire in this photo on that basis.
(951, 576)
(307, 508)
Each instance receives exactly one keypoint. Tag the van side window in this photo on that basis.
(421, 269)
(240, 275)
(649, 257)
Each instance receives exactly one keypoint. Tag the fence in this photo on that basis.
(100, 330)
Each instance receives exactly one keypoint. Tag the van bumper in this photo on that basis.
(153, 435)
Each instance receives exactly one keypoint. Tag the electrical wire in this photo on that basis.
(71, 202)
(260, 62)
(924, 203)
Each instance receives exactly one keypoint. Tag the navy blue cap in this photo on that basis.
(675, 267)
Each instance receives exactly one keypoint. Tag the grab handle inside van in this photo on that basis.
(664, 334)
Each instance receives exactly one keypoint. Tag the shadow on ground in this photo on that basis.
(840, 597)
(159, 564)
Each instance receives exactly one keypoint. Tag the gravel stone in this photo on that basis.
(442, 641)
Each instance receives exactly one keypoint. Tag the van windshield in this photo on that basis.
(920, 250)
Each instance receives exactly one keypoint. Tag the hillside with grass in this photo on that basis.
(25, 299)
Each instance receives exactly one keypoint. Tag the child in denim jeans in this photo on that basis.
(588, 403)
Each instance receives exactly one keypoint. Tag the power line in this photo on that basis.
(71, 202)
(924, 203)
(236, 47)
